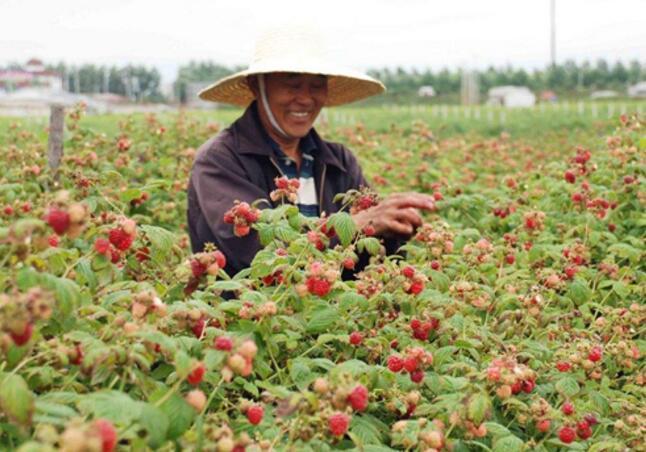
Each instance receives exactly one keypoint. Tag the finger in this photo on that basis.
(416, 200)
(397, 227)
(410, 216)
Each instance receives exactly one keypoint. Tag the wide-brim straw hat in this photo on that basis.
(300, 50)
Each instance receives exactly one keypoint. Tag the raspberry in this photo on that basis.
(567, 408)
(198, 268)
(255, 414)
(569, 176)
(417, 376)
(567, 434)
(196, 399)
(416, 287)
(223, 343)
(408, 272)
(318, 286)
(102, 246)
(358, 398)
(338, 423)
(241, 230)
(595, 354)
(528, 386)
(590, 419)
(120, 239)
(410, 364)
(22, 338)
(516, 387)
(563, 366)
(415, 324)
(356, 338)
(198, 327)
(543, 425)
(220, 259)
(348, 263)
(584, 433)
(59, 220)
(196, 375)
(395, 363)
(435, 265)
(510, 259)
(53, 240)
(107, 433)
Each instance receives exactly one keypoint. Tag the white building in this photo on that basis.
(511, 96)
(426, 91)
(32, 75)
(637, 90)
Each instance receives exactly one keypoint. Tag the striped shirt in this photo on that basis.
(307, 202)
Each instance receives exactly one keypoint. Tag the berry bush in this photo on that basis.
(512, 320)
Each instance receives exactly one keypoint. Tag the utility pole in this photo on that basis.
(553, 32)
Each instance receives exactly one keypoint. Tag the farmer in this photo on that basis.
(284, 89)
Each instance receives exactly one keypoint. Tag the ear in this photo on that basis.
(252, 82)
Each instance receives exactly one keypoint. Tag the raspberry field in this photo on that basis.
(513, 320)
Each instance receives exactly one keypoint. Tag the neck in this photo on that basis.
(289, 145)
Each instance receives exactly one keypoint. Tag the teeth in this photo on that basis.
(300, 115)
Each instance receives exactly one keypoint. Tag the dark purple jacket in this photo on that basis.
(239, 164)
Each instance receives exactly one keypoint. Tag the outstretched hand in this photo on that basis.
(397, 215)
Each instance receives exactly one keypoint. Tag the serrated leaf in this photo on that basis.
(113, 405)
(508, 443)
(579, 292)
(321, 320)
(567, 386)
(16, 400)
(180, 414)
(344, 227)
(365, 430)
(301, 374)
(496, 429)
(156, 423)
(478, 407)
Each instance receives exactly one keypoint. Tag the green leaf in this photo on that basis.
(113, 405)
(322, 320)
(344, 227)
(16, 400)
(439, 281)
(496, 429)
(478, 407)
(156, 423)
(179, 413)
(579, 292)
(301, 374)
(162, 241)
(610, 445)
(508, 443)
(567, 386)
(365, 430)
(84, 268)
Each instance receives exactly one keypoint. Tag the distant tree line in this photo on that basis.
(133, 81)
(199, 73)
(567, 79)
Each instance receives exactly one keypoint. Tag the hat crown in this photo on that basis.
(290, 44)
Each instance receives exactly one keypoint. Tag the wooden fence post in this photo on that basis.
(56, 128)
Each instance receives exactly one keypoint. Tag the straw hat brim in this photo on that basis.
(344, 86)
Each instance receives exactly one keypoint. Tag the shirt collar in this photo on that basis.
(252, 138)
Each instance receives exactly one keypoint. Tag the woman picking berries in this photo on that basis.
(284, 90)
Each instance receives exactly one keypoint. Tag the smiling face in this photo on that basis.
(295, 101)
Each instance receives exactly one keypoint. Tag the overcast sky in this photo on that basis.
(366, 33)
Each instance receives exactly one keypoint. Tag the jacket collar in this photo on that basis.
(252, 138)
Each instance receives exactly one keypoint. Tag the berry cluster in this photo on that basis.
(510, 377)
(241, 216)
(209, 262)
(422, 328)
(120, 239)
(19, 312)
(286, 190)
(100, 435)
(414, 362)
(534, 221)
(147, 302)
(437, 237)
(419, 434)
(414, 282)
(319, 280)
(239, 360)
(64, 219)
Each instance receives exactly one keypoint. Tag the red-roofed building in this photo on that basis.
(33, 74)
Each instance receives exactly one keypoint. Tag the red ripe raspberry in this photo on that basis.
(416, 287)
(338, 423)
(120, 239)
(198, 268)
(108, 434)
(395, 363)
(569, 176)
(563, 366)
(356, 338)
(358, 398)
(142, 254)
(435, 265)
(241, 230)
(8, 210)
(410, 364)
(417, 376)
(198, 327)
(252, 215)
(318, 286)
(408, 272)
(102, 246)
(115, 255)
(281, 183)
(590, 419)
(196, 375)
(415, 324)
(369, 230)
(577, 197)
(421, 334)
(220, 259)
(528, 386)
(543, 425)
(59, 220)
(223, 343)
(438, 196)
(53, 240)
(530, 223)
(229, 218)
(510, 259)
(348, 263)
(584, 433)
(22, 338)
(567, 408)
(517, 387)
(567, 434)
(595, 354)
(255, 414)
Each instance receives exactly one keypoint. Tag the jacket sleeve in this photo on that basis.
(219, 179)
